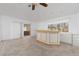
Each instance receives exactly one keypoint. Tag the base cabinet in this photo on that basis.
(53, 38)
(56, 38)
(75, 40)
(48, 37)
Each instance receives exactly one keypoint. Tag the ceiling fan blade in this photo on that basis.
(44, 4)
(33, 7)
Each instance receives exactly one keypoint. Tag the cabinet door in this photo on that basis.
(38, 36)
(76, 40)
(48, 38)
(53, 38)
(43, 36)
(66, 38)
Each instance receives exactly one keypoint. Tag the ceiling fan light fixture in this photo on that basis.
(35, 4)
(44, 4)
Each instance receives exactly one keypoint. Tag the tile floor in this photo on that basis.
(30, 47)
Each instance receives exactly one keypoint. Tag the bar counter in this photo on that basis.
(48, 37)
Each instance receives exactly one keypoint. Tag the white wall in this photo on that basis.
(44, 24)
(8, 26)
(11, 28)
(0, 29)
(73, 21)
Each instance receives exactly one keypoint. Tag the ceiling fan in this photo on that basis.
(34, 4)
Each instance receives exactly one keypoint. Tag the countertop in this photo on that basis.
(51, 31)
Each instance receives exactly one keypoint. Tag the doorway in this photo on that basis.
(27, 29)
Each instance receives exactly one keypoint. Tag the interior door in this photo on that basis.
(16, 30)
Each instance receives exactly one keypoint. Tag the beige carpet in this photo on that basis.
(29, 47)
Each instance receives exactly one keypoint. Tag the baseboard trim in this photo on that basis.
(66, 43)
(43, 43)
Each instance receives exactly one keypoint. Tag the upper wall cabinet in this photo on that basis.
(62, 27)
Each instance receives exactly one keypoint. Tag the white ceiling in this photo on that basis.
(54, 10)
